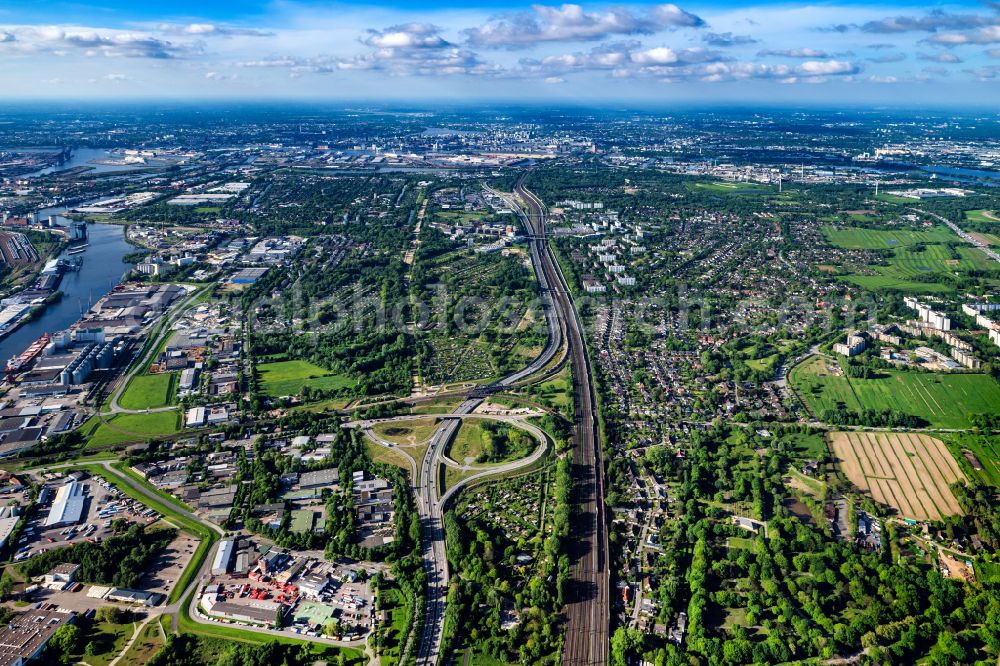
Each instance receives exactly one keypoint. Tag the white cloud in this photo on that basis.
(888, 57)
(622, 59)
(727, 39)
(407, 36)
(62, 40)
(942, 57)
(571, 23)
(793, 53)
(827, 68)
(988, 35)
(210, 30)
(931, 22)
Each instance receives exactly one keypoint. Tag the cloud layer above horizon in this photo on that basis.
(587, 52)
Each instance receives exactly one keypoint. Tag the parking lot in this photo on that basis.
(102, 505)
(167, 568)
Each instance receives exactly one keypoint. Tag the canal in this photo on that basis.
(102, 269)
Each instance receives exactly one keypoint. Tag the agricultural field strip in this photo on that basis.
(908, 478)
(887, 475)
(890, 473)
(938, 456)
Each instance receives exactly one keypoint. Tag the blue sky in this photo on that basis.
(903, 53)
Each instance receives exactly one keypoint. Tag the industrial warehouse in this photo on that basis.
(67, 508)
(257, 584)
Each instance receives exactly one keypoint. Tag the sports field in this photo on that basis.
(302, 521)
(944, 400)
(289, 378)
(908, 471)
(316, 613)
(860, 238)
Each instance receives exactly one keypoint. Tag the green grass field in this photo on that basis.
(468, 442)
(760, 364)
(108, 640)
(985, 448)
(557, 392)
(726, 187)
(943, 400)
(910, 265)
(123, 428)
(812, 446)
(860, 238)
(982, 215)
(149, 391)
(289, 377)
(142, 650)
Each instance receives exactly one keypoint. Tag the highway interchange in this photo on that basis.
(587, 600)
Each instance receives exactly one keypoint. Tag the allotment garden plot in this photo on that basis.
(910, 472)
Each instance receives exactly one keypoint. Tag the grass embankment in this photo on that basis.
(412, 431)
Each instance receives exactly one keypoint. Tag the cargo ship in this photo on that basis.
(27, 356)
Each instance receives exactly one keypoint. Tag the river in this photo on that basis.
(82, 157)
(102, 269)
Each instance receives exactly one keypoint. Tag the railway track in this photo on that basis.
(587, 601)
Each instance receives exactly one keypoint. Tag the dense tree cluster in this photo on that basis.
(119, 560)
(492, 585)
(801, 593)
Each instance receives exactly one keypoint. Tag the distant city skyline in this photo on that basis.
(837, 53)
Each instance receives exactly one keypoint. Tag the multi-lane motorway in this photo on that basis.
(587, 609)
